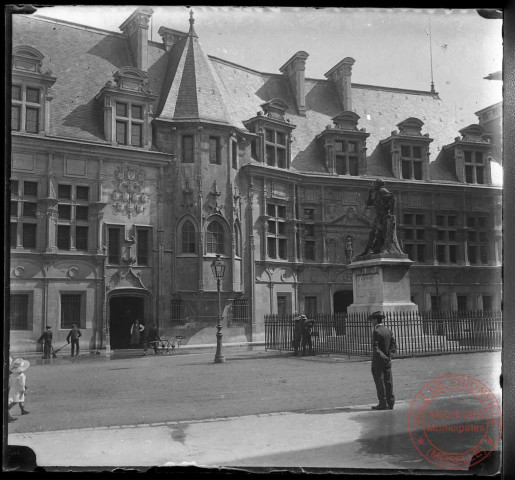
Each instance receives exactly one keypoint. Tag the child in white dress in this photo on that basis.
(17, 385)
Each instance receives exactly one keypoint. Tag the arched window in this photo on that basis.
(215, 242)
(237, 239)
(189, 244)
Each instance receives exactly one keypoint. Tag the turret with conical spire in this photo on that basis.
(192, 28)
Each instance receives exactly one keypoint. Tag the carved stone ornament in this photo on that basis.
(128, 198)
(73, 272)
(19, 271)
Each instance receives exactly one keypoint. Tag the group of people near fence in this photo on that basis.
(302, 330)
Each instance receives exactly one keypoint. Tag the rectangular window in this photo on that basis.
(121, 109)
(64, 192)
(30, 209)
(346, 162)
(143, 246)
(29, 235)
(13, 234)
(477, 240)
(30, 189)
(16, 92)
(63, 237)
(121, 133)
(276, 241)
(70, 311)
(81, 238)
(446, 239)
(82, 193)
(474, 167)
(14, 208)
(65, 212)
(19, 309)
(32, 120)
(282, 305)
(275, 148)
(32, 95)
(411, 162)
(187, 149)
(16, 117)
(309, 250)
(310, 306)
(81, 213)
(15, 185)
(114, 247)
(487, 303)
(214, 150)
(234, 155)
(462, 302)
(414, 236)
(137, 112)
(136, 134)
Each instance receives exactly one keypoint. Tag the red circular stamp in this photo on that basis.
(455, 421)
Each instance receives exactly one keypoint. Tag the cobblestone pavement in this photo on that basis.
(254, 393)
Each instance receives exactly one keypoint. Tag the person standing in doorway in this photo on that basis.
(74, 336)
(17, 386)
(46, 338)
(136, 331)
(383, 347)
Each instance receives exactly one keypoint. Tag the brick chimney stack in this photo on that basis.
(340, 75)
(136, 30)
(294, 69)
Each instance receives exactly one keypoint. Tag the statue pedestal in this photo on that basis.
(381, 283)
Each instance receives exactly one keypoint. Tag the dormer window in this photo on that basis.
(469, 156)
(273, 146)
(344, 145)
(129, 118)
(127, 105)
(30, 99)
(407, 151)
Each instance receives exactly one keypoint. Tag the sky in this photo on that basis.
(392, 47)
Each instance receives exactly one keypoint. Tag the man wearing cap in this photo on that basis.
(383, 346)
(74, 336)
(46, 338)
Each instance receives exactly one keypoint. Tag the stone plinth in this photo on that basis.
(381, 283)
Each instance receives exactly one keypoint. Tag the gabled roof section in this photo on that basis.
(190, 89)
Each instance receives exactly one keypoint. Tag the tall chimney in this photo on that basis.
(136, 29)
(294, 69)
(170, 37)
(340, 75)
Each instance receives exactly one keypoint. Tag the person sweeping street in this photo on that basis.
(17, 386)
(46, 338)
(74, 336)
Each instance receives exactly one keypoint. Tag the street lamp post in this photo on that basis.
(218, 268)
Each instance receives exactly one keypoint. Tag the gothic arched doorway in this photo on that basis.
(124, 309)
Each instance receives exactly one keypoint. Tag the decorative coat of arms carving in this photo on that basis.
(128, 198)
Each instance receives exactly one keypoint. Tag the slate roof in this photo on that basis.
(193, 86)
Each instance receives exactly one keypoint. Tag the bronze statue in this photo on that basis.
(383, 235)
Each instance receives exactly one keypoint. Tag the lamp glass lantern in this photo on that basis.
(218, 267)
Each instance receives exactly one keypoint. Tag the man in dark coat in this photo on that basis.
(307, 327)
(46, 338)
(74, 336)
(383, 346)
(297, 333)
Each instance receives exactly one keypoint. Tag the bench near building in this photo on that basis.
(135, 162)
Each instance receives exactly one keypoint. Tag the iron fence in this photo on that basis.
(415, 333)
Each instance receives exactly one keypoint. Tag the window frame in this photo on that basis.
(416, 164)
(121, 239)
(185, 159)
(217, 243)
(277, 240)
(184, 238)
(477, 249)
(217, 160)
(148, 249)
(273, 145)
(446, 244)
(67, 198)
(66, 325)
(26, 302)
(129, 120)
(343, 157)
(23, 106)
(474, 165)
(24, 222)
(415, 247)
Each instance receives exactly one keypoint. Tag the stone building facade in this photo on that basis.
(134, 163)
